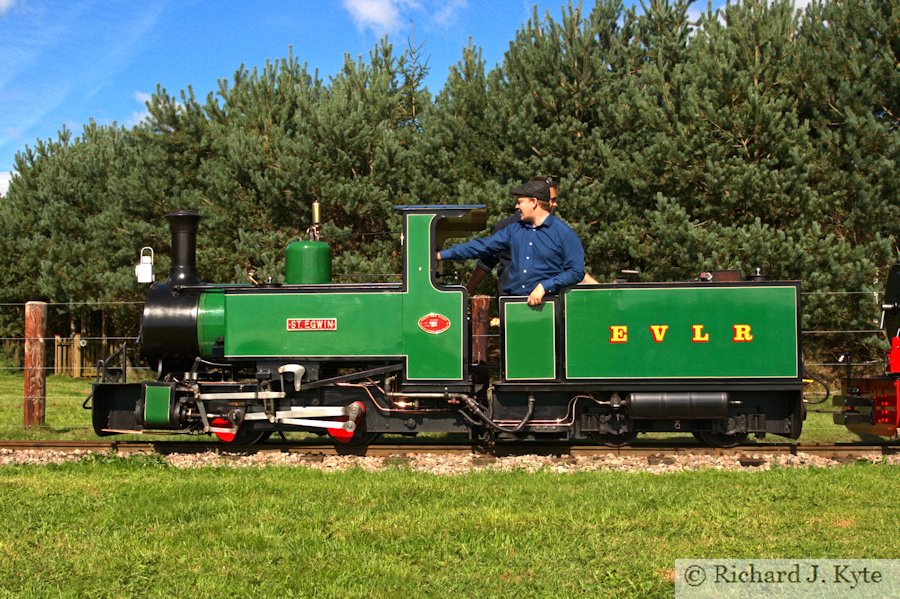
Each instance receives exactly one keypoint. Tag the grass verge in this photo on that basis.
(137, 527)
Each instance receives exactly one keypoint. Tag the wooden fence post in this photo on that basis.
(57, 354)
(481, 318)
(35, 375)
(76, 356)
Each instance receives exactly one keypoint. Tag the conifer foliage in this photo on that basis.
(754, 136)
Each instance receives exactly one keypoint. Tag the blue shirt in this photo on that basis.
(502, 260)
(550, 254)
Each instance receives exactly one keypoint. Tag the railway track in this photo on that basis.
(652, 451)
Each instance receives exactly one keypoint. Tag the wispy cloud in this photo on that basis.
(138, 116)
(5, 178)
(378, 15)
(5, 5)
(51, 60)
(391, 16)
(446, 14)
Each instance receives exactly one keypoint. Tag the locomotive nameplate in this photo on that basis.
(312, 324)
(683, 331)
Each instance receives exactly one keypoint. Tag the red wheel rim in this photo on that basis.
(342, 436)
(223, 423)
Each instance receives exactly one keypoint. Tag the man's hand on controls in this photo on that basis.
(536, 296)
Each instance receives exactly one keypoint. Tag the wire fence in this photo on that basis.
(98, 303)
(11, 342)
(73, 304)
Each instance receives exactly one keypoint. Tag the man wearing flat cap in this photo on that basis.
(502, 261)
(546, 254)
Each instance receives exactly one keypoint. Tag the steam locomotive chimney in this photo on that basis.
(183, 224)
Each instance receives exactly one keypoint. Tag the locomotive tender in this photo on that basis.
(719, 359)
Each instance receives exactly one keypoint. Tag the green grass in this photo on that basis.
(66, 420)
(64, 417)
(137, 527)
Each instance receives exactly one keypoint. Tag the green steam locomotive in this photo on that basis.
(718, 357)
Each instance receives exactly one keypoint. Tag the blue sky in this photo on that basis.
(63, 62)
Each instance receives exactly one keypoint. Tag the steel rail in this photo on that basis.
(654, 451)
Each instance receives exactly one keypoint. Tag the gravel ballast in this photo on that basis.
(450, 465)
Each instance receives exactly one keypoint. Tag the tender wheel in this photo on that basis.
(244, 436)
(615, 440)
(721, 439)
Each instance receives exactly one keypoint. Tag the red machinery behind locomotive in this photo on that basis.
(871, 405)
